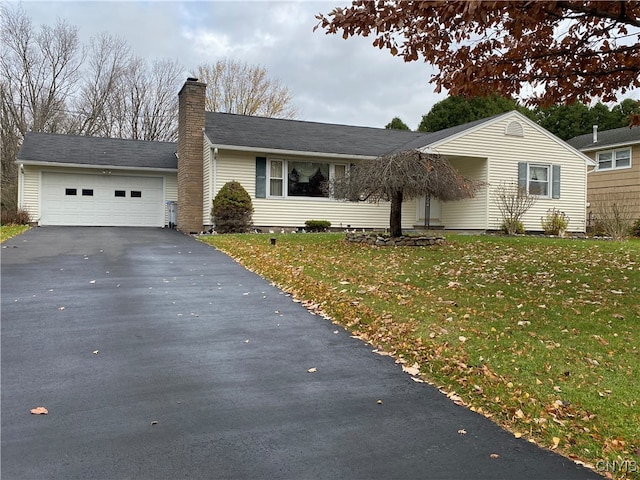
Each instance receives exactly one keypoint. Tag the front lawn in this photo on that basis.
(9, 231)
(539, 334)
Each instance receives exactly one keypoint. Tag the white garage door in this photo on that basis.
(101, 200)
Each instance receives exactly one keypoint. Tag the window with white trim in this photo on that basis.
(613, 159)
(303, 178)
(538, 180)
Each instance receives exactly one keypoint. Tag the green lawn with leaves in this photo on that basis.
(10, 231)
(541, 335)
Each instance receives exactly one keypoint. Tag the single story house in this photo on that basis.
(615, 177)
(72, 180)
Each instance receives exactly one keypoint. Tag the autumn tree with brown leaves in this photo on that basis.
(402, 176)
(566, 50)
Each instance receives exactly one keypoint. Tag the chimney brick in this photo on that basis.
(191, 100)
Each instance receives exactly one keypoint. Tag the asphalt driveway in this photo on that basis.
(159, 357)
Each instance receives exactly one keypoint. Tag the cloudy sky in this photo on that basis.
(331, 79)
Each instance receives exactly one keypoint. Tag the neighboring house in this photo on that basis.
(615, 178)
(282, 164)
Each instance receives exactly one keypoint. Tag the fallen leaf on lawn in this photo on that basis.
(39, 411)
(517, 435)
(462, 431)
(556, 442)
(462, 339)
(312, 370)
(494, 455)
(412, 370)
(519, 413)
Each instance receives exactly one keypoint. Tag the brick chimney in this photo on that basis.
(190, 157)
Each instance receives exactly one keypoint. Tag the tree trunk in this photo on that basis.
(395, 219)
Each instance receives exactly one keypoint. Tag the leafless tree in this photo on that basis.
(513, 202)
(402, 176)
(236, 87)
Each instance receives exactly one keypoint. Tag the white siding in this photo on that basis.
(470, 213)
(30, 193)
(293, 212)
(503, 152)
(170, 193)
(207, 170)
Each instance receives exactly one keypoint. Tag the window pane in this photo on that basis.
(275, 186)
(121, 193)
(87, 192)
(308, 179)
(339, 171)
(539, 180)
(136, 194)
(604, 160)
(276, 169)
(70, 191)
(623, 158)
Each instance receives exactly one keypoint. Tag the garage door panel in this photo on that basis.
(145, 207)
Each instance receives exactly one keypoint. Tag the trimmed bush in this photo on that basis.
(512, 227)
(317, 225)
(18, 216)
(232, 209)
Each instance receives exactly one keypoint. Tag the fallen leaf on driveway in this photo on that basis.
(155, 422)
(494, 455)
(95, 352)
(412, 370)
(39, 411)
(462, 431)
(92, 282)
(312, 370)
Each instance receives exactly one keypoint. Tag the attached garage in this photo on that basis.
(101, 200)
(90, 181)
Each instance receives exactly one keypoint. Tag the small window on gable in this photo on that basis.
(515, 129)
(70, 191)
(121, 193)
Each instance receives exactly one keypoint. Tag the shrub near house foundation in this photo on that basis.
(232, 209)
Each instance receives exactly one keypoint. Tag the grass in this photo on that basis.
(541, 335)
(9, 231)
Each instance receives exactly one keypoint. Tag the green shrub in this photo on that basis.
(232, 209)
(512, 227)
(317, 225)
(555, 222)
(636, 228)
(18, 216)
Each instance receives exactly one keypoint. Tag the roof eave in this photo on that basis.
(277, 151)
(593, 148)
(92, 166)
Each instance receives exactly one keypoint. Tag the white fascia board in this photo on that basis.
(610, 146)
(96, 167)
(513, 113)
(293, 153)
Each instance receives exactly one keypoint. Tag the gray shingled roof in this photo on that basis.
(617, 136)
(82, 150)
(296, 135)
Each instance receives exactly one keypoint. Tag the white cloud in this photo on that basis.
(331, 79)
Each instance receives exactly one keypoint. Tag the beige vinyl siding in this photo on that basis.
(617, 185)
(33, 181)
(293, 212)
(503, 152)
(31, 191)
(471, 213)
(207, 158)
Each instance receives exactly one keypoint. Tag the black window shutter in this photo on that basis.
(522, 175)
(555, 179)
(261, 177)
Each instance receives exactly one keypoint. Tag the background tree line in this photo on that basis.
(50, 82)
(564, 121)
